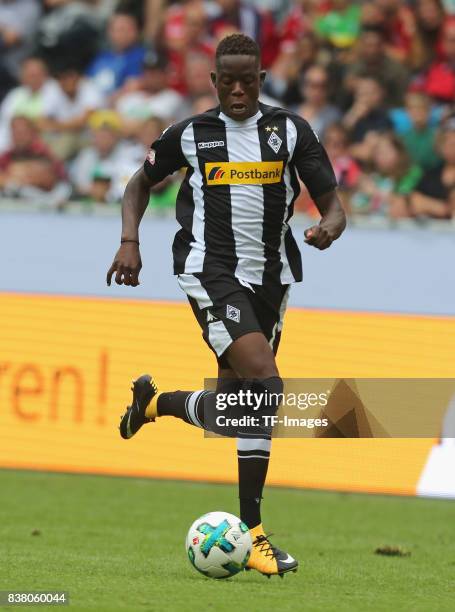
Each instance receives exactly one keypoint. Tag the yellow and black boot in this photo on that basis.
(268, 559)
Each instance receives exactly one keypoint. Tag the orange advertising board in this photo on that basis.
(66, 364)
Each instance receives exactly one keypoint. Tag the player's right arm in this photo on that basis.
(164, 158)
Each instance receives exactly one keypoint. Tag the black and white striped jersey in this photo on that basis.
(238, 193)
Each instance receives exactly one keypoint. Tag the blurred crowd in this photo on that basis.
(86, 86)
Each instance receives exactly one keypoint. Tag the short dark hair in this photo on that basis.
(123, 11)
(237, 44)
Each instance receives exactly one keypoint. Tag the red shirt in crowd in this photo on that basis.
(36, 150)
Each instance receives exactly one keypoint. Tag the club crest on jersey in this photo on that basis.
(151, 156)
(274, 142)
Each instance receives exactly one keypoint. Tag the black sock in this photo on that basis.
(252, 474)
(185, 405)
(250, 511)
(194, 407)
(253, 452)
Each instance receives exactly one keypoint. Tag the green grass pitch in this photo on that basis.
(117, 544)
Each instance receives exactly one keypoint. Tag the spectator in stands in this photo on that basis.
(197, 72)
(386, 189)
(367, 117)
(162, 196)
(440, 79)
(78, 98)
(18, 22)
(97, 166)
(347, 171)
(203, 103)
(297, 22)
(341, 25)
(284, 77)
(324, 58)
(185, 26)
(372, 61)
(397, 22)
(149, 95)
(434, 195)
(28, 169)
(316, 108)
(125, 58)
(427, 39)
(36, 97)
(420, 139)
(132, 7)
(68, 33)
(198, 68)
(138, 145)
(299, 19)
(186, 31)
(308, 51)
(153, 19)
(239, 15)
(134, 151)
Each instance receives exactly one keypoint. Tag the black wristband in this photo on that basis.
(122, 240)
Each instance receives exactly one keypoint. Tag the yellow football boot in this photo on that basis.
(143, 407)
(267, 559)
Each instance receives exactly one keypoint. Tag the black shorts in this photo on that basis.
(227, 308)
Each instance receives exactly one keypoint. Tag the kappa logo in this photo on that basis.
(210, 144)
(274, 142)
(232, 313)
(216, 173)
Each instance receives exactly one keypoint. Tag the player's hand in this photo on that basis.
(127, 264)
(319, 237)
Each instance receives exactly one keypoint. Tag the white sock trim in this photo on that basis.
(191, 406)
(253, 444)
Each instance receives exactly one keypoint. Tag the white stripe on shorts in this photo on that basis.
(218, 336)
(193, 288)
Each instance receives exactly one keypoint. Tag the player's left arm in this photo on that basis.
(332, 223)
(315, 170)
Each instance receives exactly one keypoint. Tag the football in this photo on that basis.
(218, 544)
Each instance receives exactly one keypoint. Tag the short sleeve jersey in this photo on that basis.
(238, 194)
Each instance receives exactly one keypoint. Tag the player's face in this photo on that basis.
(238, 81)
